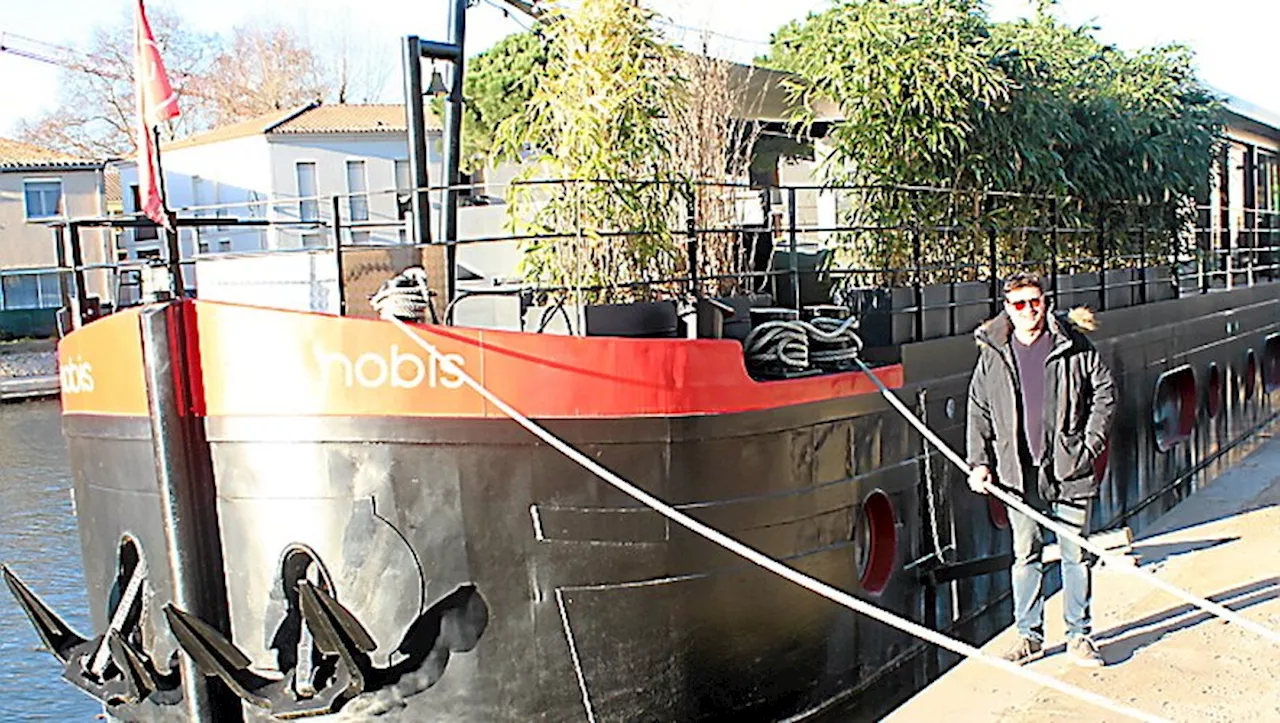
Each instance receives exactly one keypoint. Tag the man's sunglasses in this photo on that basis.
(1021, 304)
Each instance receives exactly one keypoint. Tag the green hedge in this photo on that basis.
(19, 323)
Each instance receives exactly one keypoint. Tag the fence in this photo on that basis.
(915, 262)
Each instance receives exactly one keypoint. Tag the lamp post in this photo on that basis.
(413, 51)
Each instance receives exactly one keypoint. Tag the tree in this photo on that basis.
(934, 94)
(596, 121)
(712, 146)
(266, 68)
(262, 69)
(95, 116)
(499, 83)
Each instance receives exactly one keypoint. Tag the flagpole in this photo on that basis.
(174, 260)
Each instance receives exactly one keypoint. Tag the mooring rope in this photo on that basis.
(759, 558)
(1119, 562)
(789, 343)
(405, 296)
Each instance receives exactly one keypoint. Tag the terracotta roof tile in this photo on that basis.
(312, 118)
(351, 119)
(14, 154)
(255, 126)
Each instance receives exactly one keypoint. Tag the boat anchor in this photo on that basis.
(107, 667)
(344, 669)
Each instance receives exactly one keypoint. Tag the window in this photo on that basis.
(43, 198)
(1268, 182)
(358, 201)
(257, 209)
(31, 291)
(308, 204)
(404, 180)
(224, 244)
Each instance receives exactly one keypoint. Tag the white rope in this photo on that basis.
(1116, 561)
(759, 558)
(406, 295)
(787, 343)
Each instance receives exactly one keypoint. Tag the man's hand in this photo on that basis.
(979, 479)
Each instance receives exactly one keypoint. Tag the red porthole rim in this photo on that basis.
(877, 512)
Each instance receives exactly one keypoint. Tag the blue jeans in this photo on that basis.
(1028, 570)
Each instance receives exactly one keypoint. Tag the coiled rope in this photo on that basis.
(406, 296)
(799, 344)
(759, 558)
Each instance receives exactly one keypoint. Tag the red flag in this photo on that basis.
(156, 103)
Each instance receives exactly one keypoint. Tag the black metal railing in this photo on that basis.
(928, 260)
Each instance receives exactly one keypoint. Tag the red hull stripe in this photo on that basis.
(267, 362)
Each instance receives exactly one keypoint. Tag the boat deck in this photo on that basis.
(1163, 657)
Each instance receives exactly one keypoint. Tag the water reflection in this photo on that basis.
(38, 539)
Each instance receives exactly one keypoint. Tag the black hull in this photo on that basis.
(519, 587)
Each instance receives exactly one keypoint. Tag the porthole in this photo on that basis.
(1249, 384)
(1213, 390)
(1173, 408)
(875, 542)
(951, 408)
(1271, 363)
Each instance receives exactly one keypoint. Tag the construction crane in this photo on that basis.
(48, 53)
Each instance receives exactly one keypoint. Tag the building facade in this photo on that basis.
(286, 168)
(39, 187)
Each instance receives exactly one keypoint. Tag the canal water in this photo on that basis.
(38, 541)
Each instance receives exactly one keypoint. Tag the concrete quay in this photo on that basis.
(16, 389)
(28, 370)
(1163, 657)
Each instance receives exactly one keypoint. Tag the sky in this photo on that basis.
(1234, 40)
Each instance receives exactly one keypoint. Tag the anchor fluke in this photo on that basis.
(137, 679)
(215, 655)
(337, 632)
(58, 637)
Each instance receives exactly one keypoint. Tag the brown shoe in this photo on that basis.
(1024, 651)
(1084, 653)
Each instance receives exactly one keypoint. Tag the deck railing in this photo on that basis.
(916, 262)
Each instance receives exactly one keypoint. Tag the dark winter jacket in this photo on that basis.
(1078, 407)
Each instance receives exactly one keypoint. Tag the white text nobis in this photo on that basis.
(76, 376)
(399, 370)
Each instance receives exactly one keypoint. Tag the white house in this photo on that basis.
(285, 167)
(38, 187)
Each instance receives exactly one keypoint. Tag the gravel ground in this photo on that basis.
(28, 364)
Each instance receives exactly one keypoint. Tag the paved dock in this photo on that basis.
(19, 388)
(1163, 657)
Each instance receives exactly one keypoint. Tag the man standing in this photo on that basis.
(1040, 406)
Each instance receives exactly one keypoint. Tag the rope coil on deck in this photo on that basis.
(406, 296)
(759, 558)
(798, 344)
